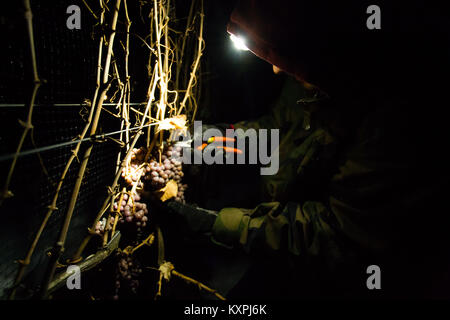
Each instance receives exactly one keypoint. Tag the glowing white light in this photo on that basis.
(238, 43)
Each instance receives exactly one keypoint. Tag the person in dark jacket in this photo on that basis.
(363, 164)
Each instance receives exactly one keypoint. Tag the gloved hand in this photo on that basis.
(191, 218)
(207, 140)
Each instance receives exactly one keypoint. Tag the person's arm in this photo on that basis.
(308, 229)
(365, 199)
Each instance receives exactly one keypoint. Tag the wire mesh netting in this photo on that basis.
(66, 62)
(164, 89)
(63, 56)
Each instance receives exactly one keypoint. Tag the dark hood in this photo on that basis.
(328, 44)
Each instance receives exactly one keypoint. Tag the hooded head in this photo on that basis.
(327, 43)
(290, 34)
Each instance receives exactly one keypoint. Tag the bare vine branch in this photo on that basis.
(27, 125)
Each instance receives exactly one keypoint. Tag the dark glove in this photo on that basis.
(192, 218)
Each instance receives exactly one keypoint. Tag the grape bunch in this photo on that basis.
(104, 224)
(132, 210)
(156, 172)
(127, 271)
(159, 174)
(180, 194)
(134, 171)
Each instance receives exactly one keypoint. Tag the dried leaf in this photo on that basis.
(169, 191)
(177, 122)
(166, 270)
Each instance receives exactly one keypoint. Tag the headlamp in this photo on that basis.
(238, 42)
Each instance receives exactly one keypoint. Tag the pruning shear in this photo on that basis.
(211, 140)
(220, 139)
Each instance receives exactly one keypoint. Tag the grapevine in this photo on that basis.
(147, 162)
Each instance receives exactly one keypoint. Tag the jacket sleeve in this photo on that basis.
(365, 197)
(308, 229)
(295, 227)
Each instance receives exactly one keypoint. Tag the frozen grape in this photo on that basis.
(153, 174)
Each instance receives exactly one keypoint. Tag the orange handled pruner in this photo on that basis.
(220, 139)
